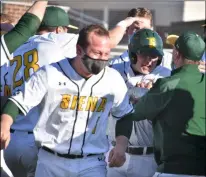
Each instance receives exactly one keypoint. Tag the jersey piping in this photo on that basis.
(4, 47)
(124, 69)
(19, 105)
(76, 113)
(89, 113)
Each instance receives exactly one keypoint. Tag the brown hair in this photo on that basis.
(48, 29)
(6, 18)
(141, 12)
(86, 31)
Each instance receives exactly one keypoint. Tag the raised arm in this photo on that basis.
(38, 9)
(25, 28)
(117, 33)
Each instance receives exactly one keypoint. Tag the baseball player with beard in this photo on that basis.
(11, 38)
(140, 70)
(75, 97)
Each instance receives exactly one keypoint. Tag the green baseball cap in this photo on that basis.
(191, 46)
(146, 41)
(55, 16)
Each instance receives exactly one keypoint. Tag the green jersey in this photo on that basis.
(176, 106)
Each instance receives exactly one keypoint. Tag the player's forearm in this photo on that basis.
(123, 133)
(10, 110)
(123, 128)
(38, 9)
(122, 141)
(26, 27)
(6, 121)
(117, 33)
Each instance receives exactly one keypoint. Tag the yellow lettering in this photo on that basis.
(74, 103)
(65, 101)
(18, 60)
(152, 42)
(91, 104)
(7, 90)
(81, 102)
(102, 105)
(30, 65)
(94, 129)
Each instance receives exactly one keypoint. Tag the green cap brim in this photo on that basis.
(72, 27)
(152, 51)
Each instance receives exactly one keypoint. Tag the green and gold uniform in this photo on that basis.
(26, 27)
(176, 106)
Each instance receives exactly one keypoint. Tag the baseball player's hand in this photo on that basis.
(147, 85)
(117, 156)
(6, 122)
(202, 67)
(130, 20)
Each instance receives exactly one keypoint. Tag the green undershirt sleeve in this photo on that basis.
(124, 127)
(26, 27)
(11, 109)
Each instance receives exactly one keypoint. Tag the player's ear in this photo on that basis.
(79, 50)
(59, 29)
(177, 54)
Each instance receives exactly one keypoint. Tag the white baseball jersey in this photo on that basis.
(74, 111)
(167, 60)
(5, 85)
(38, 51)
(142, 134)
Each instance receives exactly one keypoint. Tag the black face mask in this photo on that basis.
(94, 66)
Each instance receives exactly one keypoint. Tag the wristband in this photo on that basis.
(122, 24)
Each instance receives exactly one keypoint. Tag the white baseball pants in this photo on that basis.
(5, 172)
(135, 166)
(50, 165)
(173, 175)
(21, 154)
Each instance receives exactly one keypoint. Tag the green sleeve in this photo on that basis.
(26, 27)
(124, 127)
(11, 109)
(151, 104)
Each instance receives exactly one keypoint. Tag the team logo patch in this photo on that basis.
(152, 42)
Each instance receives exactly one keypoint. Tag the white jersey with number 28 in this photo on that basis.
(38, 51)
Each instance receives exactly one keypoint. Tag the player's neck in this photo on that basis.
(136, 73)
(77, 66)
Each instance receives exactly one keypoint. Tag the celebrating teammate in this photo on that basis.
(42, 49)
(10, 41)
(145, 20)
(142, 133)
(176, 107)
(140, 71)
(52, 44)
(74, 107)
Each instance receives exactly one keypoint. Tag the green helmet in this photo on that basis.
(145, 41)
